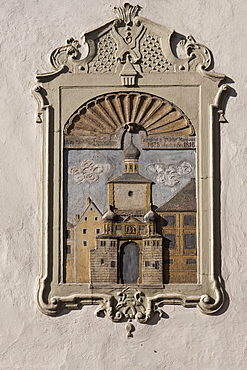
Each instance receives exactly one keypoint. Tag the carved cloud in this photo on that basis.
(170, 175)
(88, 171)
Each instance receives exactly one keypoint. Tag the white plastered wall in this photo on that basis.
(185, 339)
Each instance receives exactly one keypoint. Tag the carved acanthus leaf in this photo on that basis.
(131, 304)
(127, 12)
(65, 55)
(199, 55)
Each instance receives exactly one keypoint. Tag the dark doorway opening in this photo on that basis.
(129, 263)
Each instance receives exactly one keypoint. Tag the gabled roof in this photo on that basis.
(91, 204)
(69, 225)
(131, 178)
(184, 200)
(131, 219)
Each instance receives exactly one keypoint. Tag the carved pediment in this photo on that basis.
(131, 219)
(130, 46)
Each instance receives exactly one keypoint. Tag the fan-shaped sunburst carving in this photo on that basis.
(105, 114)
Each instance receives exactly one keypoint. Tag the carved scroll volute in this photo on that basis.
(39, 94)
(65, 55)
(199, 55)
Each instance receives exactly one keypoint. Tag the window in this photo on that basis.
(67, 234)
(189, 241)
(130, 193)
(97, 231)
(85, 219)
(84, 231)
(147, 263)
(157, 265)
(189, 220)
(141, 229)
(170, 241)
(68, 249)
(191, 261)
(118, 227)
(113, 264)
(95, 218)
(84, 243)
(170, 220)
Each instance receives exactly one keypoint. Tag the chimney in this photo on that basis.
(88, 201)
(77, 218)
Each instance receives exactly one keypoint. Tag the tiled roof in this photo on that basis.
(184, 200)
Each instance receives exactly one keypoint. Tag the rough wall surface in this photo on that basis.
(185, 339)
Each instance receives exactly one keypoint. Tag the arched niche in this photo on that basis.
(110, 115)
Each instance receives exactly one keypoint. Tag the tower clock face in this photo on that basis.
(130, 196)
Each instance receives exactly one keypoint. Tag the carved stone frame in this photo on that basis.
(58, 95)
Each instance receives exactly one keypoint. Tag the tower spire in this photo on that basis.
(131, 157)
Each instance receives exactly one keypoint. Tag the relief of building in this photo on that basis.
(86, 228)
(179, 232)
(130, 249)
(131, 243)
(69, 253)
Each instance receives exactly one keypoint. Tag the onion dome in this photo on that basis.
(131, 152)
(109, 216)
(150, 216)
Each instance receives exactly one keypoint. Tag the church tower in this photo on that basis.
(129, 251)
(130, 192)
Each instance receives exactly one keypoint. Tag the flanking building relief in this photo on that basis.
(130, 172)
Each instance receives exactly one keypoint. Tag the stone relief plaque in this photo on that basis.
(130, 175)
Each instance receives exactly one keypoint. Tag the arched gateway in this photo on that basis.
(129, 263)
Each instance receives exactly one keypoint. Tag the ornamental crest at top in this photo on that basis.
(131, 47)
